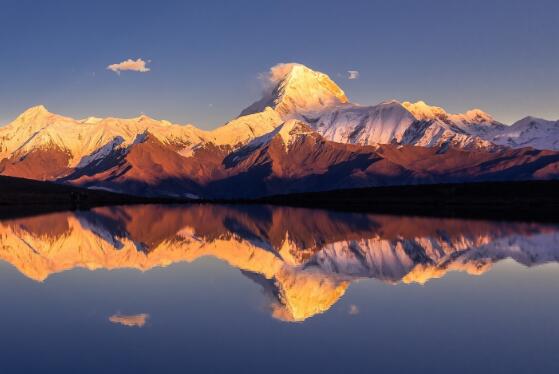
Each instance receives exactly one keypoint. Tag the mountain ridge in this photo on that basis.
(302, 135)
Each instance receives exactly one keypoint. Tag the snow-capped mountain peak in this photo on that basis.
(35, 116)
(474, 122)
(423, 111)
(38, 129)
(383, 123)
(34, 119)
(296, 91)
(35, 110)
(292, 130)
(530, 132)
(531, 121)
(478, 115)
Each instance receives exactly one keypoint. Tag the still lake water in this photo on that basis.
(233, 289)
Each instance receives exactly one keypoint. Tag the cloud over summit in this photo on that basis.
(272, 77)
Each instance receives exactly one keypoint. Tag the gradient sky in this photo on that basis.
(205, 56)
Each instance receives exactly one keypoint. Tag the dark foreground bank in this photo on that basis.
(21, 197)
(531, 200)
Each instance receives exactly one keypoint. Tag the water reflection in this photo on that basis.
(131, 320)
(303, 259)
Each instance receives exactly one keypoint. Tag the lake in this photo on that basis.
(243, 289)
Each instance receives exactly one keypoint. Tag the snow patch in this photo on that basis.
(101, 153)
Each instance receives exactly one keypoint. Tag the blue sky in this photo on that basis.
(205, 57)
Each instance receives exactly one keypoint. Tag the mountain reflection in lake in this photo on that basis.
(303, 261)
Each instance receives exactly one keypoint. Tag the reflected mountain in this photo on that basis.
(303, 259)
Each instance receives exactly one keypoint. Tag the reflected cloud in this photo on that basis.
(353, 310)
(303, 259)
(132, 320)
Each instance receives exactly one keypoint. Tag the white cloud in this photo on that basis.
(352, 74)
(279, 71)
(138, 65)
(276, 73)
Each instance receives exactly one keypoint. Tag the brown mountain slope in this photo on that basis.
(296, 159)
(41, 164)
(152, 168)
(293, 158)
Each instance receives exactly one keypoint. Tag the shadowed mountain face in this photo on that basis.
(303, 259)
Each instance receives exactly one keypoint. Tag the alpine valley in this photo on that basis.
(303, 135)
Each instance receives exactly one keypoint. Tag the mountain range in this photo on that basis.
(304, 259)
(302, 135)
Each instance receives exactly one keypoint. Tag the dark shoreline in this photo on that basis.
(510, 201)
(20, 197)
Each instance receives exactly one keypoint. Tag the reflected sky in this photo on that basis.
(166, 288)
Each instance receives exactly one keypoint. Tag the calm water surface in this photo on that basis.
(223, 289)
